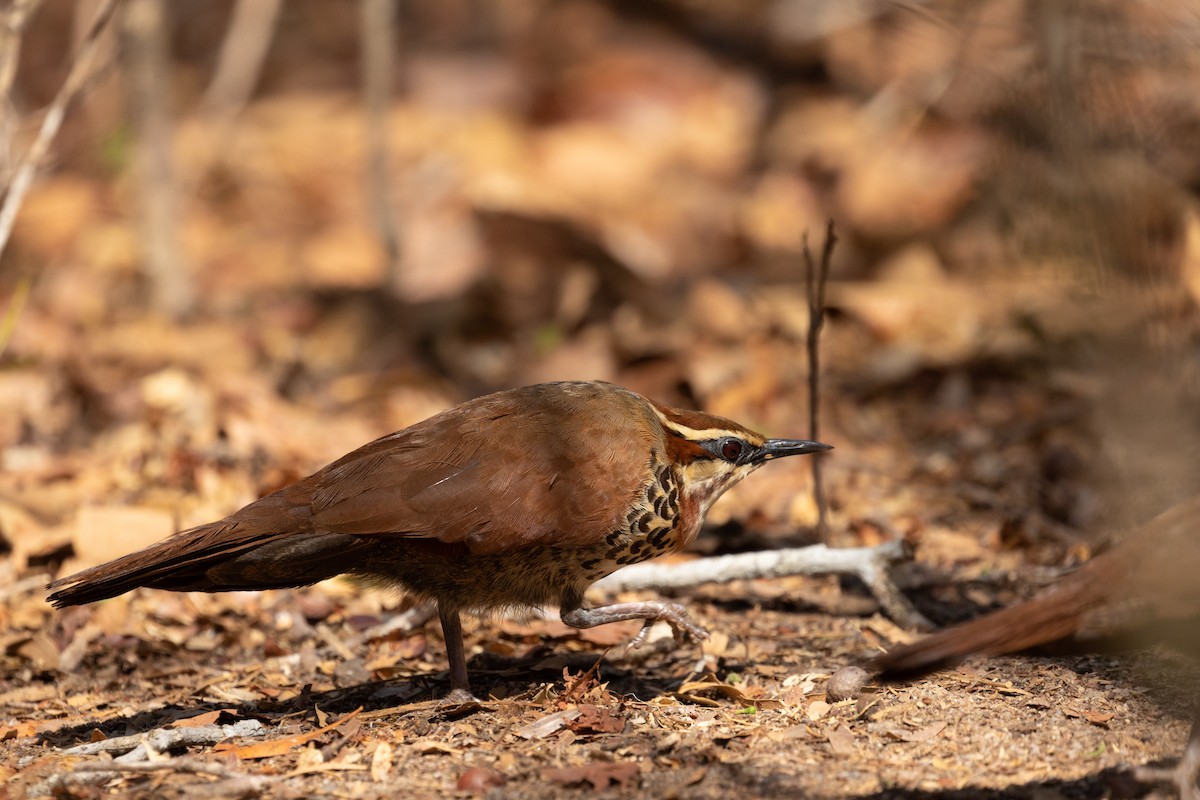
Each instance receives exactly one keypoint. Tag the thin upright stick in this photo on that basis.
(378, 57)
(146, 56)
(816, 278)
(81, 70)
(12, 27)
(240, 63)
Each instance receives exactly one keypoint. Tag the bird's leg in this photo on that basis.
(460, 685)
(1186, 774)
(651, 611)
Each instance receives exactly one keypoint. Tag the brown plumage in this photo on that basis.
(1144, 591)
(519, 498)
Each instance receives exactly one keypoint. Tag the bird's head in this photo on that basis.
(710, 453)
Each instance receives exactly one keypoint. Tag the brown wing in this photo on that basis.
(544, 465)
(529, 467)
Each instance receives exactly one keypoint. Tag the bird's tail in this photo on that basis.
(244, 552)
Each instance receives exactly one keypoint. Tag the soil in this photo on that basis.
(597, 190)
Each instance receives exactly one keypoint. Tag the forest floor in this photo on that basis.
(632, 208)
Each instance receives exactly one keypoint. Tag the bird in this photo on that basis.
(1145, 591)
(516, 499)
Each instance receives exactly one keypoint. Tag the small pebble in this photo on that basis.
(478, 780)
(845, 684)
(351, 673)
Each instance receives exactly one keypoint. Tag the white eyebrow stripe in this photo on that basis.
(691, 433)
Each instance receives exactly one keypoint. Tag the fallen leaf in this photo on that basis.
(39, 651)
(309, 758)
(401, 650)
(19, 731)
(277, 747)
(612, 634)
(331, 766)
(479, 780)
(207, 718)
(1098, 718)
(381, 762)
(841, 740)
(926, 733)
(137, 527)
(748, 696)
(600, 774)
(716, 644)
(593, 719)
(542, 727)
(429, 746)
(32, 693)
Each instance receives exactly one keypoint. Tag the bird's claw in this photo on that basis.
(1183, 776)
(681, 624)
(459, 697)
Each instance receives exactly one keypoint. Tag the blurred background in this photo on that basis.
(269, 231)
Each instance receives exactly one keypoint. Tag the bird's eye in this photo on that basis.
(731, 449)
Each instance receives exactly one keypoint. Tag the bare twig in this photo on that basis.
(869, 564)
(135, 745)
(77, 77)
(378, 58)
(243, 52)
(234, 783)
(146, 49)
(8, 323)
(816, 559)
(239, 66)
(816, 279)
(335, 643)
(412, 619)
(12, 26)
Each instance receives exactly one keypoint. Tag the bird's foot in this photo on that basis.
(1184, 780)
(459, 697)
(683, 626)
(651, 611)
(1185, 775)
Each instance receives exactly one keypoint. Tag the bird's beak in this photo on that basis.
(778, 448)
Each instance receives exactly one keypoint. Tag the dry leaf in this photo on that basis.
(479, 780)
(207, 718)
(103, 533)
(593, 719)
(31, 693)
(40, 652)
(817, 709)
(744, 696)
(716, 644)
(19, 731)
(612, 634)
(277, 747)
(841, 740)
(924, 734)
(381, 761)
(600, 774)
(542, 727)
(1100, 719)
(430, 746)
(310, 757)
